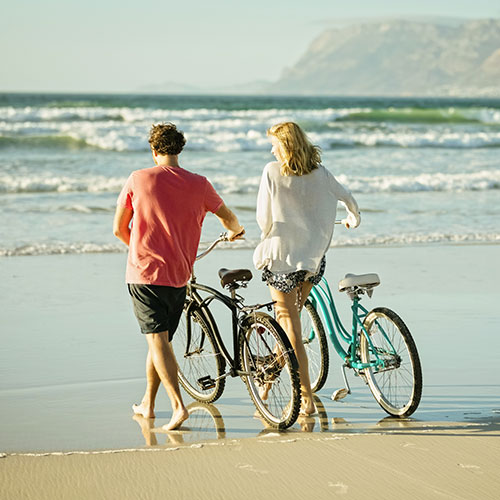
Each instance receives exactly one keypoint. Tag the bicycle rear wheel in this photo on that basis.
(397, 386)
(199, 361)
(205, 422)
(271, 370)
(315, 344)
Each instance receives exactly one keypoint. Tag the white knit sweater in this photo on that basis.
(297, 216)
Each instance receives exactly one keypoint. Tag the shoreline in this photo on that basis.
(454, 465)
(120, 249)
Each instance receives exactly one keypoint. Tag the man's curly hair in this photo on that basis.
(165, 139)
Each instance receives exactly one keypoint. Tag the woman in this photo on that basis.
(296, 209)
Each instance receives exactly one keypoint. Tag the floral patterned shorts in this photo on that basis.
(286, 282)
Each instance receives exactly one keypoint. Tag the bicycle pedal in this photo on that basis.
(206, 382)
(340, 394)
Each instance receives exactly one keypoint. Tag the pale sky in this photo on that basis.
(123, 45)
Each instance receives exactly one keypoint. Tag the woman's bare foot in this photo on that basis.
(145, 411)
(306, 423)
(308, 408)
(178, 417)
(264, 391)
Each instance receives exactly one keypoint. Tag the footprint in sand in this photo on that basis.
(472, 468)
(251, 468)
(413, 446)
(341, 488)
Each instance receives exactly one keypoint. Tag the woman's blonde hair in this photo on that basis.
(298, 155)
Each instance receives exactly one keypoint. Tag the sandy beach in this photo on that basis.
(71, 364)
(452, 462)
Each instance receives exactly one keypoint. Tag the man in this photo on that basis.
(168, 205)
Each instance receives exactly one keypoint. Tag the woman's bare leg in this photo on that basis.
(287, 315)
(305, 291)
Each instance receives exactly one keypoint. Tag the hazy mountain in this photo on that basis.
(399, 57)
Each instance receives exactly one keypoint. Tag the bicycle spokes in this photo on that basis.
(270, 377)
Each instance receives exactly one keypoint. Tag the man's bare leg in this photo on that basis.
(147, 429)
(165, 364)
(147, 406)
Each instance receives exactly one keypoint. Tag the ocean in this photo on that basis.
(424, 171)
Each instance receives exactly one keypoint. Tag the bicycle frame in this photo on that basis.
(196, 300)
(322, 299)
(202, 303)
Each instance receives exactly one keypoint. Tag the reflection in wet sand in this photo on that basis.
(206, 423)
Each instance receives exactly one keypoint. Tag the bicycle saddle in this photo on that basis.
(370, 280)
(228, 276)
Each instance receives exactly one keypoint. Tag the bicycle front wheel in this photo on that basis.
(270, 370)
(199, 361)
(397, 386)
(315, 344)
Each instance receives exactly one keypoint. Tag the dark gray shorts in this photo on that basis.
(157, 308)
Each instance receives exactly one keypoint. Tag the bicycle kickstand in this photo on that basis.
(342, 393)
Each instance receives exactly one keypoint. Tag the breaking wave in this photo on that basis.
(61, 248)
(484, 180)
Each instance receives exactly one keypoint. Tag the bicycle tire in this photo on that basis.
(271, 368)
(398, 388)
(316, 346)
(198, 357)
(205, 422)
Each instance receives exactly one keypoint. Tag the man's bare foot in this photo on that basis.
(147, 429)
(143, 410)
(176, 421)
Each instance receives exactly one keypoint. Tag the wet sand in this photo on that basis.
(72, 361)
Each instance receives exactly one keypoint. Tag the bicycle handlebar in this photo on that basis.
(222, 237)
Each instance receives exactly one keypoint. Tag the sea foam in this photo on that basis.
(125, 129)
(390, 240)
(485, 180)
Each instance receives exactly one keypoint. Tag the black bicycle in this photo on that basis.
(262, 354)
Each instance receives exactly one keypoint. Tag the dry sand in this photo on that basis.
(457, 464)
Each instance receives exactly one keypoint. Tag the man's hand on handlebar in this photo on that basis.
(236, 235)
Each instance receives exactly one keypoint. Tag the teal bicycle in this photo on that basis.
(379, 346)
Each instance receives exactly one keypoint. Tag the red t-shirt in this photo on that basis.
(169, 205)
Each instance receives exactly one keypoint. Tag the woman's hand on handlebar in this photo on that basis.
(351, 221)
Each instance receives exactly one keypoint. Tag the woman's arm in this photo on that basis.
(264, 204)
(121, 228)
(353, 218)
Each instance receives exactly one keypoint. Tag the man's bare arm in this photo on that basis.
(230, 222)
(121, 228)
